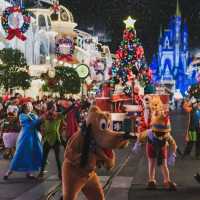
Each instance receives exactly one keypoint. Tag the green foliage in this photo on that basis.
(13, 70)
(194, 91)
(66, 81)
(150, 89)
(45, 87)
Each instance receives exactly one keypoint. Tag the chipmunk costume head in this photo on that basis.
(12, 111)
(89, 148)
(156, 104)
(153, 106)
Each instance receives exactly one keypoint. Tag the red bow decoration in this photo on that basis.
(15, 32)
(56, 7)
(14, 9)
(65, 58)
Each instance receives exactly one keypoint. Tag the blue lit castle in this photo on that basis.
(170, 64)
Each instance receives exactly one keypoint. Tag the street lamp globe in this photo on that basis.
(61, 63)
(52, 73)
(55, 60)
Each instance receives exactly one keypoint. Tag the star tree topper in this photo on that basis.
(130, 22)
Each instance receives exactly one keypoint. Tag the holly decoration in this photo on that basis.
(64, 49)
(15, 22)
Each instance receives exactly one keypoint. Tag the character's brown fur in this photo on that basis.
(97, 143)
(187, 106)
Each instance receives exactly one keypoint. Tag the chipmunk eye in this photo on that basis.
(103, 124)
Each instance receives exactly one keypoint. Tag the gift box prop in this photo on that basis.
(126, 122)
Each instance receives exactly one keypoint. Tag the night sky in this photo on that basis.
(107, 16)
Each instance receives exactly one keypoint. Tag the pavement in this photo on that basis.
(129, 184)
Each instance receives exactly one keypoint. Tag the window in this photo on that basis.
(41, 21)
(49, 21)
(54, 17)
(64, 15)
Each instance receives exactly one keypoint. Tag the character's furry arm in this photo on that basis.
(172, 143)
(142, 137)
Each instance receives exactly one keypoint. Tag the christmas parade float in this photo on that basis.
(47, 37)
(129, 80)
(130, 90)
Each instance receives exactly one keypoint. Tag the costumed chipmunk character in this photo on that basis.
(10, 128)
(156, 105)
(157, 140)
(89, 148)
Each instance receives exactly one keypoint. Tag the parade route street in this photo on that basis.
(129, 184)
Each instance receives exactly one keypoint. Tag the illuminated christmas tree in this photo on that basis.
(130, 62)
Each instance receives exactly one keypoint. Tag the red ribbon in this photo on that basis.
(15, 32)
(56, 8)
(14, 9)
(66, 58)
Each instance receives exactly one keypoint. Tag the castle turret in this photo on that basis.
(185, 46)
(177, 34)
(185, 37)
(160, 48)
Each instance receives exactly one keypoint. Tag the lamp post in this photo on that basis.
(51, 70)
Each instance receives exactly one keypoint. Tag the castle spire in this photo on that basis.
(178, 11)
(161, 32)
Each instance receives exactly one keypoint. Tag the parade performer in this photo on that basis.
(10, 129)
(71, 121)
(28, 155)
(119, 96)
(152, 105)
(197, 127)
(89, 148)
(51, 133)
(157, 140)
(197, 122)
(191, 135)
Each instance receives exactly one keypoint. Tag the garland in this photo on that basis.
(15, 21)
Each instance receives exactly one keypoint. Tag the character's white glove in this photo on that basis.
(137, 147)
(172, 159)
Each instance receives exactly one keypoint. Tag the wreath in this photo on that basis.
(64, 49)
(15, 21)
